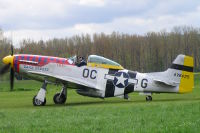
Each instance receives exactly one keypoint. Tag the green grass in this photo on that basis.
(166, 113)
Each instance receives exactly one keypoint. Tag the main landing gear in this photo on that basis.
(39, 99)
(59, 98)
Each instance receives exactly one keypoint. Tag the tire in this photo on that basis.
(37, 102)
(148, 98)
(59, 98)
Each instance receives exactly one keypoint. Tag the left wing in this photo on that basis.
(63, 78)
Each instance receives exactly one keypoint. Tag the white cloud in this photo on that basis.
(32, 10)
(127, 16)
(98, 3)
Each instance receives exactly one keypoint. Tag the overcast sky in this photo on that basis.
(45, 19)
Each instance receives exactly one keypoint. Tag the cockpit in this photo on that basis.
(98, 61)
(72, 60)
(102, 62)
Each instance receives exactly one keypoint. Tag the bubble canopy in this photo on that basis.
(99, 61)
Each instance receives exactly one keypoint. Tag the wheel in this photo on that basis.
(37, 102)
(59, 98)
(148, 98)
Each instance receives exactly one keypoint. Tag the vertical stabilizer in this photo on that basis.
(181, 71)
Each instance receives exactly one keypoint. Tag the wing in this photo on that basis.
(63, 78)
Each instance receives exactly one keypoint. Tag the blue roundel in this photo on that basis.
(121, 79)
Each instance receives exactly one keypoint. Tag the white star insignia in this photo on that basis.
(121, 80)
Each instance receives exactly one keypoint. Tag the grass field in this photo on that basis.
(166, 113)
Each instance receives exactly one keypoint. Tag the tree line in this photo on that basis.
(153, 51)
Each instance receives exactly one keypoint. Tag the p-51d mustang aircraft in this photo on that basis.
(100, 78)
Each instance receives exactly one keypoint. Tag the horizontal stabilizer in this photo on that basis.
(168, 83)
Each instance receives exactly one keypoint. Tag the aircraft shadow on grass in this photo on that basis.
(104, 102)
(122, 102)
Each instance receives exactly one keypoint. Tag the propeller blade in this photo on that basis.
(11, 78)
(11, 49)
(4, 69)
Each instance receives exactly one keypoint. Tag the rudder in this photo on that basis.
(181, 73)
(187, 76)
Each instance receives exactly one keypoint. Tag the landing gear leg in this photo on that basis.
(60, 98)
(39, 99)
(148, 98)
(126, 97)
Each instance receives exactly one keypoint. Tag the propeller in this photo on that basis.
(4, 69)
(11, 78)
(11, 48)
(8, 61)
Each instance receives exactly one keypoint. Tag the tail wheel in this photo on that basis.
(37, 102)
(59, 98)
(148, 98)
